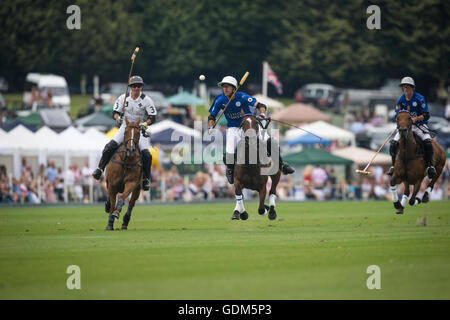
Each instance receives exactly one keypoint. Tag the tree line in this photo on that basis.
(304, 41)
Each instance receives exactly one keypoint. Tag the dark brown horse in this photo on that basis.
(252, 171)
(410, 167)
(123, 176)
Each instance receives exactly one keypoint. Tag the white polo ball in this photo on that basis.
(202, 77)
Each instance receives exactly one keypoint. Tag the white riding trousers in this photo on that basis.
(422, 135)
(119, 136)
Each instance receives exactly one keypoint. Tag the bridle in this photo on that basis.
(129, 152)
(258, 123)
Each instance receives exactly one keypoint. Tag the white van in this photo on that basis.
(43, 82)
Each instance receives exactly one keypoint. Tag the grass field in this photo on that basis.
(194, 251)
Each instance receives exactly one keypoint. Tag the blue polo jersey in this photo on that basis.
(417, 106)
(233, 114)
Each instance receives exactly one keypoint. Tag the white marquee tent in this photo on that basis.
(361, 156)
(45, 143)
(325, 130)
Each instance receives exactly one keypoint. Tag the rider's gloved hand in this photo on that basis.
(143, 125)
(261, 116)
(210, 131)
(119, 120)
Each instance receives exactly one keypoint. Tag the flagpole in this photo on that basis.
(264, 79)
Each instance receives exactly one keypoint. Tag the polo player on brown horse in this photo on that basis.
(124, 175)
(416, 150)
(254, 165)
(410, 166)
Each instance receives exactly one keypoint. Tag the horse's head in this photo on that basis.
(131, 139)
(249, 122)
(404, 123)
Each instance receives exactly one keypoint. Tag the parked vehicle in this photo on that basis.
(111, 91)
(317, 94)
(46, 89)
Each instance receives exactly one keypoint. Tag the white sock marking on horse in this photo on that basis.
(428, 190)
(404, 200)
(416, 202)
(394, 194)
(239, 204)
(272, 199)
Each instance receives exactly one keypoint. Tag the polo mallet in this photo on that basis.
(365, 172)
(133, 56)
(232, 97)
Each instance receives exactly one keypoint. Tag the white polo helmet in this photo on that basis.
(407, 80)
(228, 80)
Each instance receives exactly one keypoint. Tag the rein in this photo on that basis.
(123, 149)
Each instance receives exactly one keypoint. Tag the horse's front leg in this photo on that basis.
(129, 186)
(273, 195)
(262, 209)
(134, 197)
(239, 209)
(414, 200)
(397, 205)
(111, 216)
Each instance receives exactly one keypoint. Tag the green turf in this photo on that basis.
(312, 251)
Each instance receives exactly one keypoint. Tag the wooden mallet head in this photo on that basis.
(363, 172)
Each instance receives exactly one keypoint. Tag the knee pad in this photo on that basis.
(112, 145)
(393, 147)
(146, 154)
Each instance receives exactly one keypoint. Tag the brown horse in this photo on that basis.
(252, 171)
(123, 175)
(410, 167)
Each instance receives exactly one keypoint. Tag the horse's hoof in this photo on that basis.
(244, 215)
(262, 211)
(108, 228)
(116, 214)
(272, 213)
(124, 227)
(425, 197)
(413, 203)
(235, 215)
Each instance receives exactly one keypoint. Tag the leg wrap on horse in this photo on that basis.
(146, 163)
(127, 216)
(393, 148)
(107, 154)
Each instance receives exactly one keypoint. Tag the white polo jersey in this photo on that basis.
(142, 107)
(138, 109)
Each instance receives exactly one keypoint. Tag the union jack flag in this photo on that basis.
(273, 79)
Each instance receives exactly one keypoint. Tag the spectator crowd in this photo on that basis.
(54, 185)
